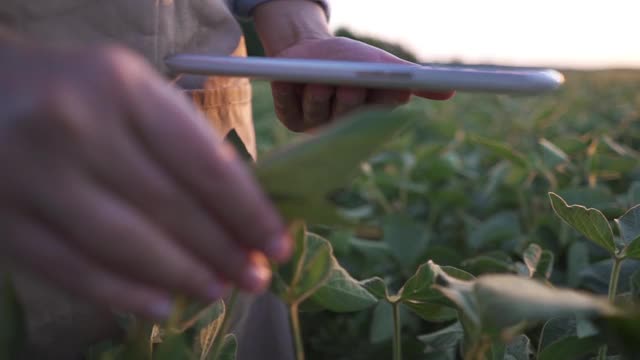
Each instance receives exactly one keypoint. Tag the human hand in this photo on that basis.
(298, 29)
(116, 189)
(301, 107)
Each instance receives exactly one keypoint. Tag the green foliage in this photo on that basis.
(13, 333)
(590, 222)
(468, 187)
(335, 154)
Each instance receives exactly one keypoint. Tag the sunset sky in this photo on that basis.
(563, 33)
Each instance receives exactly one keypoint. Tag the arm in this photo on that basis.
(299, 29)
(113, 184)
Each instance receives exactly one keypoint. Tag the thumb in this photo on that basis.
(433, 95)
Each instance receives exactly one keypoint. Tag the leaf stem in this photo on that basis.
(613, 288)
(226, 322)
(397, 338)
(297, 332)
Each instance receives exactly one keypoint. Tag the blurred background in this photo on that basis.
(468, 186)
(566, 34)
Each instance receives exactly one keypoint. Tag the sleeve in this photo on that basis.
(243, 8)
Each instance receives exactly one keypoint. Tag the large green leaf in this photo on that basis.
(342, 293)
(495, 232)
(577, 260)
(13, 333)
(419, 295)
(381, 328)
(301, 178)
(376, 287)
(519, 348)
(406, 238)
(552, 154)
(501, 149)
(559, 340)
(590, 222)
(497, 302)
(629, 225)
(229, 348)
(308, 269)
(173, 347)
(443, 339)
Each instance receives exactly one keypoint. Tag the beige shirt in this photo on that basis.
(154, 28)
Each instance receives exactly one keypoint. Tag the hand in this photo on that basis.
(302, 107)
(116, 189)
(298, 29)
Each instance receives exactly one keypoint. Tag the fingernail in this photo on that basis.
(280, 248)
(215, 290)
(257, 277)
(161, 309)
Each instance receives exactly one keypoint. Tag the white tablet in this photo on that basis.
(375, 75)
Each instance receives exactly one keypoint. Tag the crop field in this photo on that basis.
(467, 186)
(484, 227)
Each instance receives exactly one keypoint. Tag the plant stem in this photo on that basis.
(613, 288)
(397, 338)
(226, 322)
(296, 331)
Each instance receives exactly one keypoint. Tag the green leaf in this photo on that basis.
(173, 347)
(634, 284)
(229, 348)
(545, 265)
(552, 155)
(314, 269)
(425, 301)
(559, 340)
(577, 260)
(443, 339)
(518, 348)
(501, 149)
(590, 222)
(629, 225)
(407, 239)
(633, 194)
(342, 293)
(499, 229)
(13, 332)
(596, 276)
(539, 262)
(199, 315)
(209, 328)
(382, 323)
(623, 332)
(483, 264)
(418, 286)
(531, 257)
(376, 287)
(497, 302)
(308, 269)
(334, 155)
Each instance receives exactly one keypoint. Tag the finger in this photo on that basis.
(41, 250)
(388, 97)
(287, 101)
(432, 95)
(317, 105)
(181, 141)
(120, 239)
(348, 99)
(126, 171)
